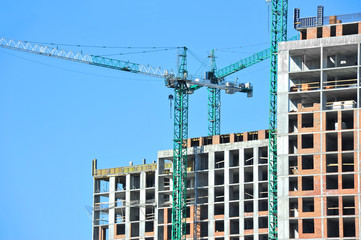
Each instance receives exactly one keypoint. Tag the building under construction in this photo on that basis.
(227, 175)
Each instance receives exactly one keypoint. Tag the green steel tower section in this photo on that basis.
(278, 34)
(214, 102)
(180, 151)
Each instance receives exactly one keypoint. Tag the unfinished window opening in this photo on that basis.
(293, 184)
(347, 120)
(348, 205)
(120, 215)
(233, 176)
(307, 120)
(306, 60)
(234, 226)
(96, 233)
(252, 135)
(160, 216)
(292, 124)
(293, 229)
(160, 230)
(101, 185)
(208, 140)
(307, 162)
(248, 174)
(248, 238)
(248, 206)
(349, 227)
(263, 190)
(263, 155)
(204, 229)
(225, 138)
(331, 182)
(219, 209)
(219, 177)
(248, 191)
(331, 163)
(169, 230)
(331, 142)
(293, 207)
(307, 183)
(262, 173)
(150, 196)
(234, 210)
(149, 226)
(350, 29)
(331, 121)
(203, 162)
(120, 183)
(333, 31)
(134, 229)
(238, 137)
(204, 212)
(219, 160)
(234, 158)
(101, 202)
(262, 205)
(333, 227)
(308, 226)
(134, 197)
(292, 142)
(332, 206)
(348, 162)
(293, 166)
(105, 233)
(134, 214)
(307, 141)
(248, 156)
(248, 223)
(149, 213)
(194, 142)
(219, 194)
(263, 222)
(135, 181)
(347, 141)
(308, 204)
(319, 32)
(188, 229)
(150, 180)
(263, 237)
(233, 193)
(120, 229)
(219, 226)
(191, 163)
(348, 181)
(303, 34)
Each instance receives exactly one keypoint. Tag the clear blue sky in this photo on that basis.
(56, 116)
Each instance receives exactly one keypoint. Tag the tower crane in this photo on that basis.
(182, 84)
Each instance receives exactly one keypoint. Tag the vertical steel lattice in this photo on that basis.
(214, 103)
(278, 34)
(180, 151)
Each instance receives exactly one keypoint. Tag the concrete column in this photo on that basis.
(111, 207)
(255, 193)
(142, 205)
(226, 194)
(211, 162)
(241, 192)
(127, 208)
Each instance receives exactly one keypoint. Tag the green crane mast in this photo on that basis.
(279, 10)
(214, 101)
(180, 150)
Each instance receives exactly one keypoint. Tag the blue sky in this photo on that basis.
(56, 116)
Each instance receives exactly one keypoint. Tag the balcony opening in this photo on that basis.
(331, 163)
(333, 227)
(332, 206)
(349, 227)
(348, 205)
(331, 182)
